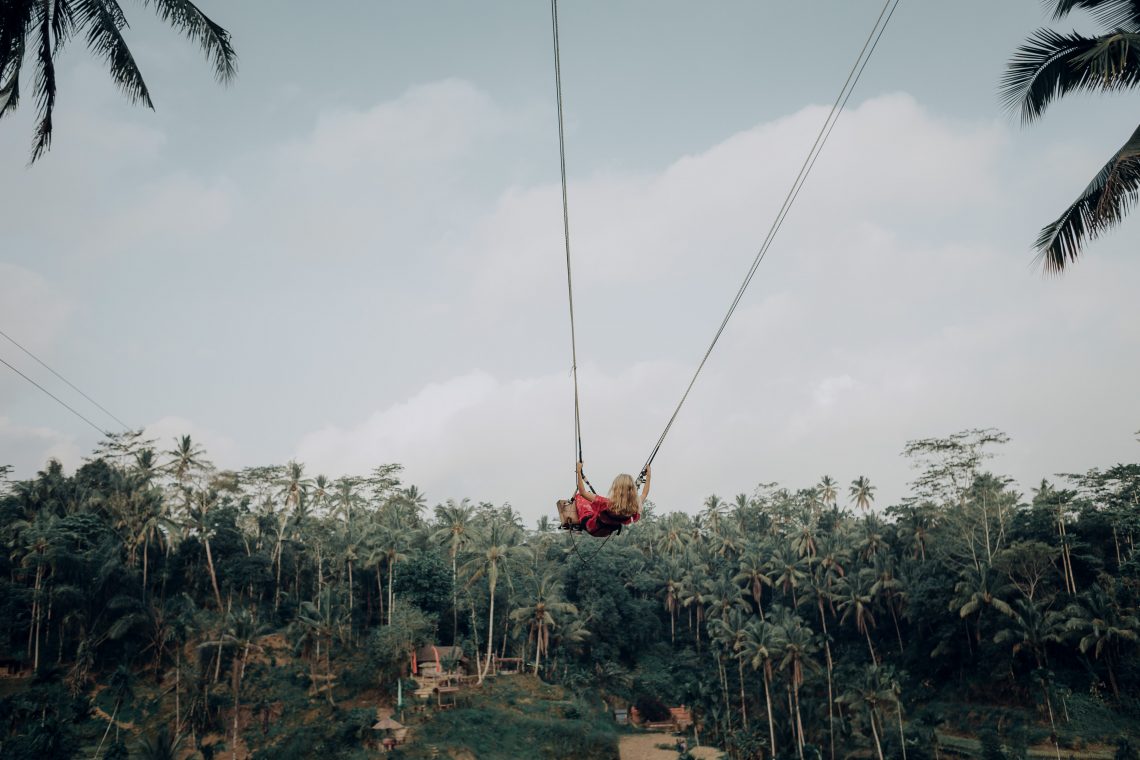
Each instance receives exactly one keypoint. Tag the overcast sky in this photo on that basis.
(353, 255)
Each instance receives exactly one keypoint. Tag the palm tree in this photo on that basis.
(855, 605)
(388, 541)
(753, 576)
(345, 500)
(38, 538)
(788, 570)
(821, 577)
(676, 533)
(40, 30)
(975, 591)
(885, 584)
(186, 458)
(158, 746)
(870, 695)
(240, 634)
(693, 598)
(669, 578)
(314, 631)
(828, 491)
(734, 630)
(120, 685)
(1050, 65)
(538, 616)
(493, 549)
(1032, 628)
(721, 596)
(1105, 625)
(714, 512)
(1048, 497)
(797, 645)
(454, 522)
(862, 492)
(198, 520)
(759, 645)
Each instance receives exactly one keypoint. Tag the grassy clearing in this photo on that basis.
(513, 717)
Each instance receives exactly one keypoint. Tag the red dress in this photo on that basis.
(596, 518)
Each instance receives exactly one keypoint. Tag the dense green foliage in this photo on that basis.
(150, 592)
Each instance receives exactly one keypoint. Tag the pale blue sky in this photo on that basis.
(353, 254)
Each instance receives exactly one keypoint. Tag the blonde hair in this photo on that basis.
(623, 497)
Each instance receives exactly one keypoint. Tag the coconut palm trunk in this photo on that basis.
(830, 693)
(213, 575)
(768, 707)
(875, 733)
(492, 577)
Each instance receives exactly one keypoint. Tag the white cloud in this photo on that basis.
(886, 312)
(429, 123)
(28, 448)
(388, 247)
(828, 390)
(32, 310)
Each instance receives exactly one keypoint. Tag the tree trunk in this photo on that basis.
(768, 706)
(237, 703)
(213, 575)
(490, 631)
(277, 589)
(351, 607)
(891, 605)
(799, 720)
(874, 657)
(391, 568)
(830, 697)
(475, 635)
(33, 638)
(1052, 723)
(724, 687)
(902, 736)
(1107, 662)
(146, 552)
(380, 592)
(178, 691)
(875, 733)
(743, 701)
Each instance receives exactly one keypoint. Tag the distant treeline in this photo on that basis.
(795, 623)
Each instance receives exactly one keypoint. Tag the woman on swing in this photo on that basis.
(602, 515)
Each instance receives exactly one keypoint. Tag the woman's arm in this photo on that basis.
(645, 488)
(582, 485)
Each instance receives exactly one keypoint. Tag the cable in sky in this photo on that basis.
(58, 400)
(853, 76)
(64, 379)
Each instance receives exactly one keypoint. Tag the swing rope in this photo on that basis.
(583, 560)
(837, 107)
(566, 226)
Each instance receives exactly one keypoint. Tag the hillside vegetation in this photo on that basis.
(149, 599)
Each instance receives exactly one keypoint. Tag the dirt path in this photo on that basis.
(644, 747)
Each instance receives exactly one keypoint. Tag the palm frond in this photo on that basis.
(1115, 14)
(1107, 199)
(45, 81)
(1043, 69)
(1113, 63)
(15, 21)
(10, 79)
(62, 24)
(103, 21)
(214, 40)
